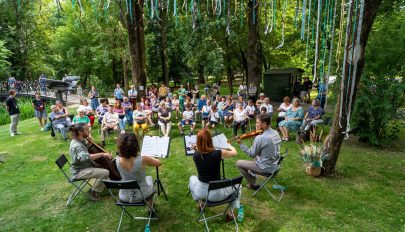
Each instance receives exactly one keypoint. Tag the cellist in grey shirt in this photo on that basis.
(265, 150)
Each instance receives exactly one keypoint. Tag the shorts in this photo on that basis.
(213, 123)
(183, 122)
(40, 114)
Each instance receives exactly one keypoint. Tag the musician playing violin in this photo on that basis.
(82, 165)
(265, 151)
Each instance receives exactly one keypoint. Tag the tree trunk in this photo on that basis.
(136, 39)
(125, 73)
(254, 51)
(163, 29)
(334, 140)
(201, 79)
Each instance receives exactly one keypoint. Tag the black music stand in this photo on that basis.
(158, 147)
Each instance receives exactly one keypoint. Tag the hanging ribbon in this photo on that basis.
(309, 24)
(81, 8)
(330, 52)
(357, 52)
(342, 86)
(339, 44)
(73, 3)
(283, 24)
(266, 19)
(242, 12)
(152, 11)
(303, 14)
(254, 12)
(228, 23)
(318, 22)
(130, 10)
(275, 14)
(297, 6)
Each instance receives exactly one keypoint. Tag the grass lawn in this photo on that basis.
(367, 194)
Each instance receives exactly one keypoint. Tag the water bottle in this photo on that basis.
(240, 214)
(147, 229)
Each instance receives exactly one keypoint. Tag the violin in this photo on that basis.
(103, 162)
(246, 135)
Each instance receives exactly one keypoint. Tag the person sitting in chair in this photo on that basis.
(87, 110)
(208, 163)
(164, 117)
(128, 110)
(139, 117)
(110, 122)
(240, 119)
(265, 150)
(313, 117)
(132, 166)
(188, 116)
(102, 109)
(214, 117)
(292, 120)
(81, 117)
(60, 121)
(82, 165)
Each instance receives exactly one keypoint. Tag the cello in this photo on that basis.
(103, 162)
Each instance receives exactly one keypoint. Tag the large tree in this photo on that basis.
(344, 104)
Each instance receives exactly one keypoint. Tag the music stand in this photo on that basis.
(157, 147)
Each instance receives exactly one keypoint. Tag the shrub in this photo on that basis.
(377, 103)
(26, 110)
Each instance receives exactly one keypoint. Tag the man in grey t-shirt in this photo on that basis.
(265, 150)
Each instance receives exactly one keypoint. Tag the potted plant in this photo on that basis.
(313, 156)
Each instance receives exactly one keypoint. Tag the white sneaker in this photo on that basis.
(122, 132)
(42, 129)
(12, 134)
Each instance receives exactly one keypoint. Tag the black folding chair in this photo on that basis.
(79, 184)
(129, 184)
(235, 183)
(272, 176)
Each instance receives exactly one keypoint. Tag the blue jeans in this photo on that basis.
(128, 115)
(122, 122)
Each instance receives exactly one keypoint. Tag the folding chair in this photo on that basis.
(129, 184)
(272, 176)
(219, 184)
(79, 184)
(55, 131)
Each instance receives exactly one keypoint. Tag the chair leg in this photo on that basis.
(122, 214)
(79, 189)
(234, 220)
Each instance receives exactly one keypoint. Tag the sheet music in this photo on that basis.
(189, 142)
(155, 146)
(220, 142)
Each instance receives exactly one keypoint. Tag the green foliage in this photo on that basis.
(26, 110)
(382, 87)
(4, 63)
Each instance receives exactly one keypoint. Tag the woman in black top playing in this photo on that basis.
(208, 163)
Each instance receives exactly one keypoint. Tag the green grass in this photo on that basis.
(367, 194)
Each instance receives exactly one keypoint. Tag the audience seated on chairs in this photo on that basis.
(213, 118)
(128, 110)
(228, 112)
(313, 117)
(208, 163)
(82, 165)
(284, 107)
(147, 108)
(162, 92)
(293, 119)
(81, 117)
(63, 110)
(139, 116)
(88, 111)
(60, 121)
(187, 119)
(260, 101)
(201, 103)
(102, 109)
(109, 123)
(118, 109)
(239, 119)
(132, 166)
(265, 151)
(176, 106)
(250, 109)
(268, 107)
(221, 105)
(164, 119)
(205, 112)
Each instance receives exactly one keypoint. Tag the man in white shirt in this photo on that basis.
(188, 116)
(110, 122)
(132, 95)
(252, 92)
(268, 106)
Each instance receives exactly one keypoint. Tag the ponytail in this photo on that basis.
(77, 128)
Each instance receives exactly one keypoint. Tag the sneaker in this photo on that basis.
(12, 134)
(93, 195)
(42, 129)
(122, 132)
